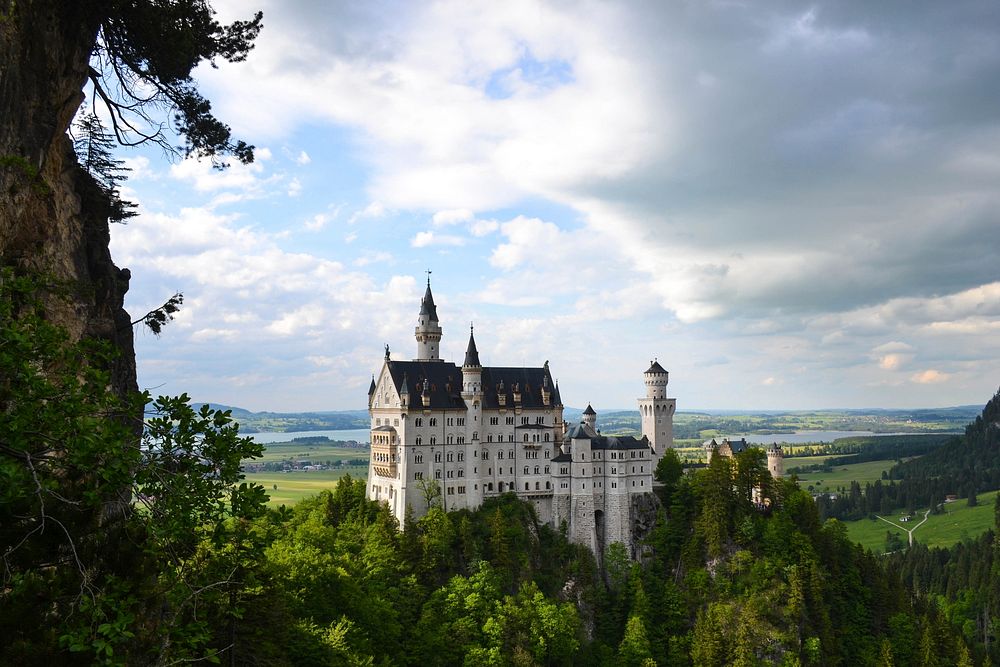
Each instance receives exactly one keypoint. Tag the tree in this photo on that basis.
(94, 148)
(668, 471)
(141, 62)
(92, 525)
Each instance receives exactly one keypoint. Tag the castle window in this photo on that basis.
(451, 490)
(378, 422)
(614, 485)
(536, 486)
(419, 458)
(500, 454)
(539, 420)
(451, 473)
(486, 455)
(395, 422)
(418, 475)
(461, 489)
(546, 470)
(536, 470)
(433, 421)
(494, 421)
(526, 487)
(525, 470)
(437, 457)
(490, 486)
(461, 439)
(546, 453)
(437, 474)
(526, 437)
(451, 422)
(524, 420)
(546, 439)
(475, 435)
(461, 421)
(489, 438)
(510, 453)
(461, 456)
(419, 421)
(548, 486)
(461, 473)
(433, 440)
(419, 440)
(510, 437)
(450, 439)
(510, 421)
(451, 457)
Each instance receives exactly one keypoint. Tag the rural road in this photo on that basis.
(908, 531)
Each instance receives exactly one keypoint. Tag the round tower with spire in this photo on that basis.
(472, 370)
(657, 411)
(428, 330)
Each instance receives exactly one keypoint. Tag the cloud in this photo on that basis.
(371, 211)
(303, 158)
(930, 376)
(294, 188)
(428, 238)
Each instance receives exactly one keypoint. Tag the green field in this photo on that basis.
(280, 451)
(294, 486)
(840, 476)
(958, 522)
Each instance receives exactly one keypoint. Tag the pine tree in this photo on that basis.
(94, 148)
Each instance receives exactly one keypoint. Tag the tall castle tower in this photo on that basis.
(775, 460)
(657, 411)
(428, 331)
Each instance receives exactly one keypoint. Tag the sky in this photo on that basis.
(789, 205)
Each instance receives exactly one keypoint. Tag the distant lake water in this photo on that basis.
(800, 437)
(357, 434)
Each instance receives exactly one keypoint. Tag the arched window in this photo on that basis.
(546, 437)
(548, 485)
(526, 437)
(526, 487)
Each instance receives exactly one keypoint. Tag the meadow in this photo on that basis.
(841, 476)
(288, 488)
(958, 522)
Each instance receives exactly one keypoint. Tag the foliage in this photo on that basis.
(94, 148)
(142, 62)
(105, 534)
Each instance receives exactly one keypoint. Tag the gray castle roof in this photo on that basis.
(589, 410)
(427, 306)
(655, 367)
(471, 353)
(444, 381)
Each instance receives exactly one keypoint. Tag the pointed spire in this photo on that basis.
(371, 389)
(471, 353)
(404, 387)
(589, 410)
(427, 307)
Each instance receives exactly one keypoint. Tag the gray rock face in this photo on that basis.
(53, 218)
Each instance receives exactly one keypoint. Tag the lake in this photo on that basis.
(358, 434)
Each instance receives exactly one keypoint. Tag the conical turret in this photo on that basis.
(428, 331)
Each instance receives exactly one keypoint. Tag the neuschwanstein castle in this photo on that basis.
(471, 432)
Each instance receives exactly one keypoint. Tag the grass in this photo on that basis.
(294, 486)
(280, 451)
(958, 522)
(840, 476)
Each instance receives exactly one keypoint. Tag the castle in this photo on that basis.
(728, 448)
(460, 434)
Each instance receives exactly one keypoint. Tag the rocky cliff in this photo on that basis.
(53, 217)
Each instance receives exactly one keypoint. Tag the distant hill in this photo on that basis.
(688, 424)
(283, 422)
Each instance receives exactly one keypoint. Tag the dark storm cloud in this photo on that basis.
(831, 131)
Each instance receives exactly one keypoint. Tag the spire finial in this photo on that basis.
(387, 351)
(428, 272)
